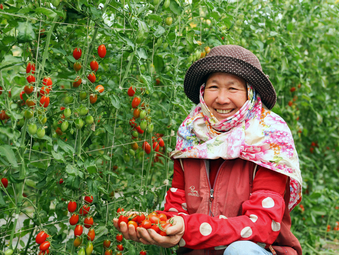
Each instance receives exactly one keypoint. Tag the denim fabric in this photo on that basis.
(245, 248)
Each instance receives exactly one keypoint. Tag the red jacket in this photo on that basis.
(236, 206)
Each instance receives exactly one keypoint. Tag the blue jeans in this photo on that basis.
(245, 248)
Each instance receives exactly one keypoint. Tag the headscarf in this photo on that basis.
(254, 133)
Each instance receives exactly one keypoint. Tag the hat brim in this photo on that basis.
(197, 72)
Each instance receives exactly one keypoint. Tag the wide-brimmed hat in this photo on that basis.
(232, 59)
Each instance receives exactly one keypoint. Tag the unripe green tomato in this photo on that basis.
(167, 3)
(21, 122)
(190, 59)
(155, 2)
(197, 54)
(143, 125)
(32, 128)
(68, 99)
(135, 133)
(165, 45)
(89, 119)
(28, 114)
(55, 123)
(140, 37)
(64, 126)
(142, 114)
(89, 248)
(83, 95)
(56, 3)
(82, 251)
(127, 158)
(54, 135)
(168, 21)
(150, 128)
(159, 42)
(67, 112)
(42, 119)
(40, 133)
(71, 131)
(79, 123)
(83, 111)
(9, 252)
(132, 152)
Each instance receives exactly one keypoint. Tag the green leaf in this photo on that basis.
(155, 17)
(142, 53)
(66, 147)
(159, 31)
(58, 156)
(48, 12)
(15, 92)
(115, 101)
(72, 170)
(175, 8)
(2, 201)
(41, 183)
(92, 169)
(61, 51)
(25, 32)
(7, 152)
(10, 133)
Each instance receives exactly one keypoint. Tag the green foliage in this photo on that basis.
(295, 42)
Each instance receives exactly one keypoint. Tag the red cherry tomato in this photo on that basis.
(146, 147)
(99, 88)
(122, 218)
(30, 68)
(162, 217)
(44, 101)
(136, 101)
(47, 81)
(77, 82)
(4, 180)
(102, 51)
(41, 237)
(146, 224)
(107, 243)
(44, 246)
(28, 89)
(161, 142)
(77, 53)
(74, 219)
(94, 65)
(133, 223)
(72, 206)
(88, 222)
(84, 210)
(88, 199)
(44, 91)
(119, 237)
(30, 79)
(91, 77)
(143, 253)
(78, 230)
(120, 247)
(131, 91)
(93, 98)
(91, 234)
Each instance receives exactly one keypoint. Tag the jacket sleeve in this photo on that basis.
(259, 222)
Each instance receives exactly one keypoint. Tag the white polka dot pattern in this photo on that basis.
(222, 247)
(205, 229)
(182, 213)
(173, 189)
(182, 242)
(275, 225)
(222, 217)
(246, 232)
(253, 217)
(268, 202)
(184, 206)
(173, 210)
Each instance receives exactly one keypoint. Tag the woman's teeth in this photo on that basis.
(223, 111)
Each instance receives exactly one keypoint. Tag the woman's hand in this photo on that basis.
(128, 232)
(174, 234)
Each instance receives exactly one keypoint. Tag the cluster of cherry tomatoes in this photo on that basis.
(88, 223)
(42, 238)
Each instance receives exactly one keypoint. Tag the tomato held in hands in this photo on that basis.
(146, 224)
(78, 230)
(77, 53)
(94, 65)
(74, 219)
(122, 218)
(41, 237)
(72, 206)
(102, 51)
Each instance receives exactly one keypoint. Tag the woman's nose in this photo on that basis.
(223, 97)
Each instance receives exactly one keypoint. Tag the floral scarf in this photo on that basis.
(254, 133)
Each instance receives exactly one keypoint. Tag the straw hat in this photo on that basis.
(232, 59)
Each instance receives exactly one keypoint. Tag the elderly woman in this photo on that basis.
(236, 170)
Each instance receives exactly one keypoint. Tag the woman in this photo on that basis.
(236, 170)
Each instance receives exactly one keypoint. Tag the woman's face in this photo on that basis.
(225, 94)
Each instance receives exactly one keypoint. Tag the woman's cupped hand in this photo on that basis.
(149, 236)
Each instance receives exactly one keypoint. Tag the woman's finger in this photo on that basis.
(145, 238)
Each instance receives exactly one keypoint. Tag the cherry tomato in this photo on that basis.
(94, 65)
(169, 21)
(74, 219)
(77, 241)
(84, 210)
(163, 228)
(41, 237)
(161, 142)
(91, 234)
(77, 82)
(1, 90)
(142, 114)
(133, 223)
(58, 131)
(136, 101)
(120, 209)
(102, 51)
(88, 199)
(141, 218)
(40, 132)
(30, 79)
(119, 237)
(77, 66)
(21, 95)
(61, 181)
(78, 230)
(143, 253)
(146, 147)
(156, 228)
(122, 218)
(83, 95)
(82, 251)
(93, 98)
(136, 113)
(106, 243)
(45, 245)
(162, 217)
(108, 252)
(99, 88)
(88, 222)
(44, 91)
(44, 101)
(30, 68)
(154, 218)
(89, 248)
(28, 89)
(4, 182)
(77, 53)
(140, 131)
(32, 128)
(132, 122)
(146, 224)
(120, 247)
(91, 77)
(143, 125)
(47, 81)
(131, 91)
(72, 206)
